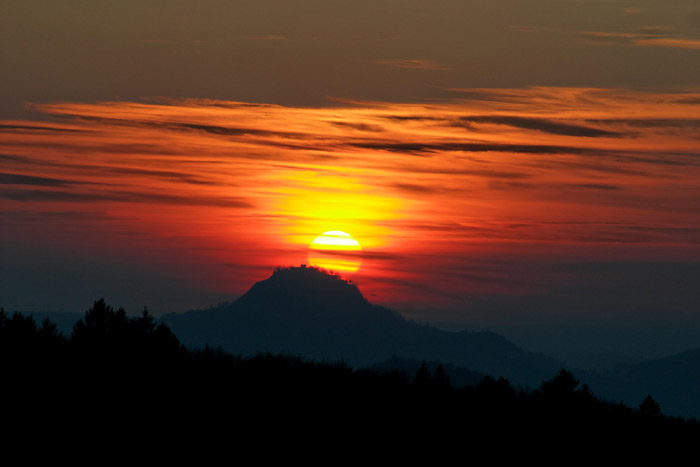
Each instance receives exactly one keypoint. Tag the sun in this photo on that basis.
(336, 251)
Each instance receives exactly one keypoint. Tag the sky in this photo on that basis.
(499, 162)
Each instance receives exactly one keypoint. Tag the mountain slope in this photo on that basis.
(674, 382)
(321, 316)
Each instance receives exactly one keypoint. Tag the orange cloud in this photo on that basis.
(423, 187)
(676, 43)
(649, 37)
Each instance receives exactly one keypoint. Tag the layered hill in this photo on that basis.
(673, 381)
(307, 312)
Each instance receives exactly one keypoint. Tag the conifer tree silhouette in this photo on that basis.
(649, 407)
(423, 376)
(562, 385)
(442, 380)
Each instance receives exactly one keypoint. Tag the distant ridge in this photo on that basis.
(318, 315)
(673, 381)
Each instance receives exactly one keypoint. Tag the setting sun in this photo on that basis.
(336, 251)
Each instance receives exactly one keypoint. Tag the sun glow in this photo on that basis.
(336, 251)
(311, 200)
(435, 193)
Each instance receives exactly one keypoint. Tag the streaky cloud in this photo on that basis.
(120, 196)
(670, 42)
(427, 148)
(599, 186)
(541, 124)
(179, 126)
(644, 37)
(166, 174)
(9, 127)
(360, 126)
(415, 188)
(19, 179)
(13, 158)
(654, 122)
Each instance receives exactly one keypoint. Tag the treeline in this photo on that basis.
(121, 368)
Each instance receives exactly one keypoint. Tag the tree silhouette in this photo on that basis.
(117, 366)
(562, 384)
(103, 328)
(423, 376)
(493, 392)
(649, 407)
(100, 324)
(116, 349)
(49, 332)
(442, 380)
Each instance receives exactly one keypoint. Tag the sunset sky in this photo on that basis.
(499, 161)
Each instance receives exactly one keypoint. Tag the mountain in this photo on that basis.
(308, 312)
(674, 382)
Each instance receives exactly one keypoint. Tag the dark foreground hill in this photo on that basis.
(307, 312)
(121, 383)
(301, 311)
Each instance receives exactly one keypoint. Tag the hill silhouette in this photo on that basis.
(309, 312)
(304, 311)
(116, 372)
(673, 381)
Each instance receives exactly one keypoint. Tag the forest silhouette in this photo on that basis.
(116, 368)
